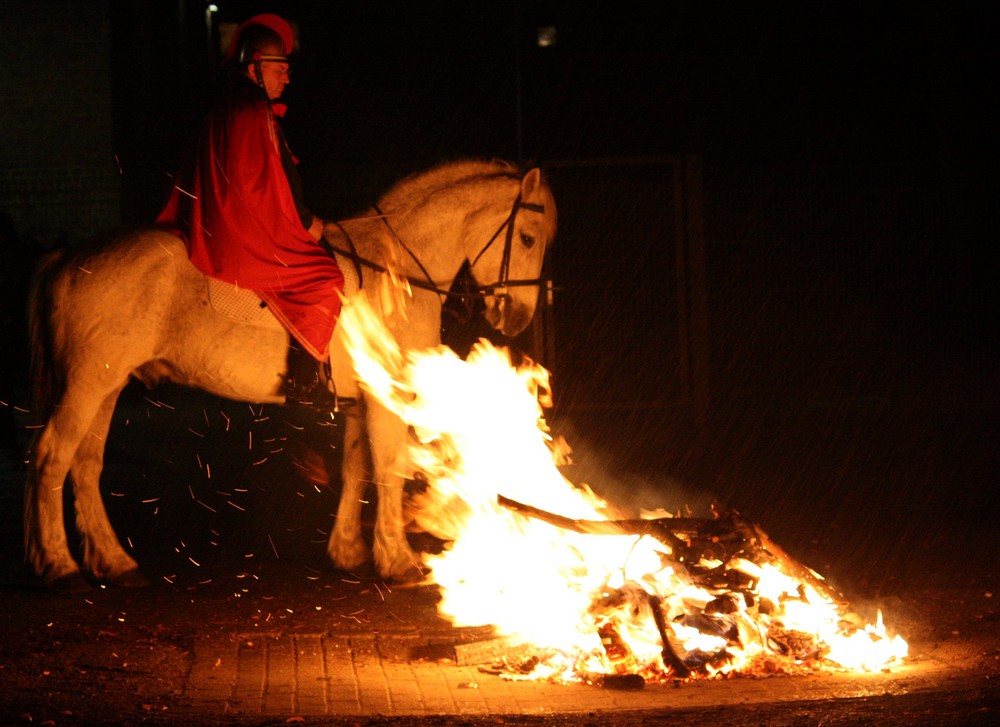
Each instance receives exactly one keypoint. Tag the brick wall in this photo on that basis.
(58, 175)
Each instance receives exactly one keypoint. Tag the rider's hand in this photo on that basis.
(316, 228)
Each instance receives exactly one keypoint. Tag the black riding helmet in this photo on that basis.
(256, 35)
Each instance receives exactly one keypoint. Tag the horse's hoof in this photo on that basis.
(349, 556)
(413, 576)
(70, 584)
(130, 579)
(366, 571)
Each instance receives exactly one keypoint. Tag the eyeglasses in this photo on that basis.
(276, 63)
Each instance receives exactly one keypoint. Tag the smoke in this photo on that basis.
(631, 487)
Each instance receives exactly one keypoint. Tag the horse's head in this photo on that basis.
(509, 267)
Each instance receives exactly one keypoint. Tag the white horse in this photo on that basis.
(139, 308)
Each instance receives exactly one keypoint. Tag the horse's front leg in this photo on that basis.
(346, 546)
(103, 555)
(393, 555)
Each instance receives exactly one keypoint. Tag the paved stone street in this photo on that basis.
(311, 674)
(246, 623)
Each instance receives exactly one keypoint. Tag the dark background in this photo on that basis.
(848, 190)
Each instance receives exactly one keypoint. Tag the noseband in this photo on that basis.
(494, 290)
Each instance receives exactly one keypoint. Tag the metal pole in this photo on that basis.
(518, 100)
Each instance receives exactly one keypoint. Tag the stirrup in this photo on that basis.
(307, 383)
(320, 400)
(317, 399)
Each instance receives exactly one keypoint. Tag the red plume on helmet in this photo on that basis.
(276, 23)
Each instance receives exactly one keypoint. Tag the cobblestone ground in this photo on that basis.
(328, 652)
(245, 624)
(314, 674)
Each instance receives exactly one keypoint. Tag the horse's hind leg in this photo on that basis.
(346, 546)
(103, 555)
(45, 545)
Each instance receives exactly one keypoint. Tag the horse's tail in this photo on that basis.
(45, 381)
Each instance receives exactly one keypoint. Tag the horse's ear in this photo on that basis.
(531, 182)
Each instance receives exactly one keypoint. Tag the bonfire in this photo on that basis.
(574, 590)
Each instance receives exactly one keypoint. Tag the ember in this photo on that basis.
(577, 592)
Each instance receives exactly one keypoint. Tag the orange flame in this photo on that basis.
(600, 604)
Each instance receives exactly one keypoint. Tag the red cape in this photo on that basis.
(235, 209)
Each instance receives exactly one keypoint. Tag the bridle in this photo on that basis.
(499, 288)
(492, 290)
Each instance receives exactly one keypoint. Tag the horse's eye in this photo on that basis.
(527, 239)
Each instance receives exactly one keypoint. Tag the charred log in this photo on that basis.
(692, 541)
(671, 657)
(624, 682)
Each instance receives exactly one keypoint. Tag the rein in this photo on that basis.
(497, 289)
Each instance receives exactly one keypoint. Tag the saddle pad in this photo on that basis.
(239, 304)
(347, 268)
(246, 306)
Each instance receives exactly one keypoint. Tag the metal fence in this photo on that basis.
(623, 323)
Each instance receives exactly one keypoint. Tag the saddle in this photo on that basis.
(246, 306)
(303, 381)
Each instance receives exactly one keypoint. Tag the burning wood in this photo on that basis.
(660, 599)
(725, 558)
(694, 542)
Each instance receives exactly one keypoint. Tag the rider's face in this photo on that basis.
(274, 73)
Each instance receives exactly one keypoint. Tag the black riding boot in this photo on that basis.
(306, 381)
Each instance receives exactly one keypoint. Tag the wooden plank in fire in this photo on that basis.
(678, 533)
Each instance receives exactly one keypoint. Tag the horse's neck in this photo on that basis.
(440, 232)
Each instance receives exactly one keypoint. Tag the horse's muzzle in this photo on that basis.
(507, 315)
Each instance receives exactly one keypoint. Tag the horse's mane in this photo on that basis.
(415, 189)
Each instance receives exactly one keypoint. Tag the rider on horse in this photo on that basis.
(238, 205)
